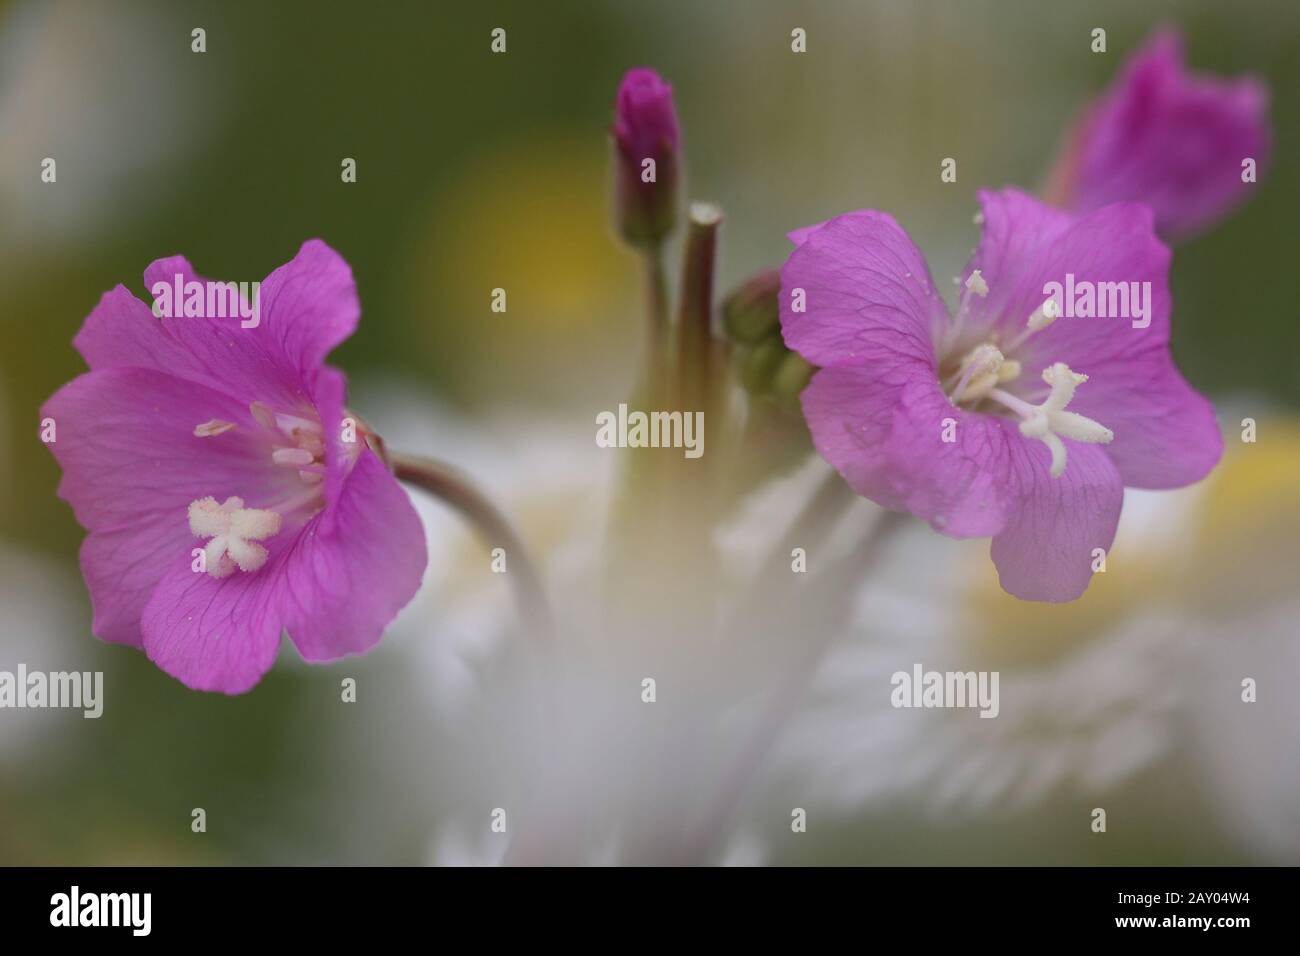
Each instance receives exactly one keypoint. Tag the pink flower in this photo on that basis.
(1011, 419)
(1169, 138)
(196, 432)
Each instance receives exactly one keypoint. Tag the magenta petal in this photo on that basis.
(1171, 139)
(1166, 433)
(166, 269)
(885, 437)
(219, 352)
(1116, 244)
(884, 433)
(309, 305)
(963, 487)
(121, 332)
(121, 567)
(305, 308)
(800, 236)
(1026, 244)
(849, 413)
(221, 635)
(131, 466)
(354, 567)
(1045, 553)
(867, 292)
(1017, 232)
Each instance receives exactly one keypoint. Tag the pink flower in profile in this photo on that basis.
(1169, 138)
(196, 432)
(1015, 418)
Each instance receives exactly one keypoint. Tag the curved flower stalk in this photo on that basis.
(1188, 145)
(1009, 419)
(228, 493)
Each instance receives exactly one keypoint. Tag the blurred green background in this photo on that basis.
(477, 171)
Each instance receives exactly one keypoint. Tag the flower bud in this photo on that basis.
(753, 313)
(647, 158)
(791, 378)
(756, 366)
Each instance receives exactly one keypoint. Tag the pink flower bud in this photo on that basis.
(647, 144)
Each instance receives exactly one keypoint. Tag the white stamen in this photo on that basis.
(1039, 319)
(294, 424)
(979, 373)
(297, 457)
(263, 415)
(212, 427)
(1044, 315)
(234, 531)
(311, 441)
(975, 282)
(975, 285)
(1049, 422)
(297, 440)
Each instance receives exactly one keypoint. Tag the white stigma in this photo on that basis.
(234, 531)
(1050, 422)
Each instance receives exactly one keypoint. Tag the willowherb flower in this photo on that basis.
(1169, 138)
(197, 434)
(1015, 418)
(647, 144)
